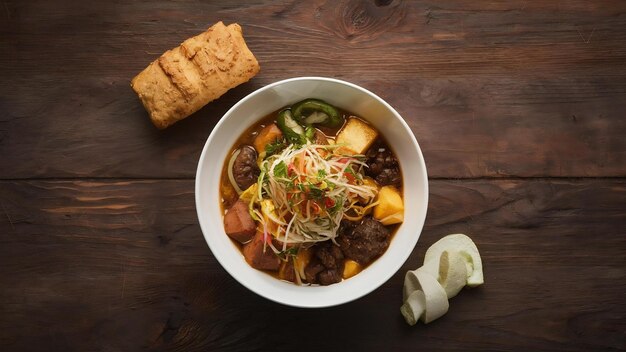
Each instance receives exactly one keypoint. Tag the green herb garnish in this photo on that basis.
(280, 170)
(275, 147)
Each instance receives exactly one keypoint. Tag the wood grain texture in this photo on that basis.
(122, 265)
(490, 89)
(518, 107)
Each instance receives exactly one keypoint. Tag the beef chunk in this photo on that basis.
(365, 242)
(346, 226)
(238, 223)
(245, 170)
(389, 177)
(257, 258)
(383, 166)
(312, 269)
(320, 138)
(286, 271)
(380, 158)
(330, 256)
(329, 277)
(326, 266)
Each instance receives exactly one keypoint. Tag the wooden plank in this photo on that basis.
(122, 265)
(493, 89)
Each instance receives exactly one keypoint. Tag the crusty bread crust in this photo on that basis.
(200, 70)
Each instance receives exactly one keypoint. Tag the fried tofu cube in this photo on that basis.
(267, 135)
(357, 135)
(390, 207)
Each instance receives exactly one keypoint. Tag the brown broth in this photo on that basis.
(229, 194)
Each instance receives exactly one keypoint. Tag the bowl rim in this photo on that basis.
(204, 226)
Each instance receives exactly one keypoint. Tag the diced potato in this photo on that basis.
(351, 268)
(247, 195)
(390, 207)
(393, 219)
(368, 181)
(267, 135)
(357, 135)
(301, 260)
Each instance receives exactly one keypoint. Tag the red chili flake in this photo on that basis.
(316, 208)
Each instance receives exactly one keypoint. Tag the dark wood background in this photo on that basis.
(519, 107)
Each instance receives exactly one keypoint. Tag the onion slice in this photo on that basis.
(231, 177)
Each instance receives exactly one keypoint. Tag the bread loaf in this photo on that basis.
(200, 70)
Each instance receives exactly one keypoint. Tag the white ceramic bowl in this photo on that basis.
(356, 100)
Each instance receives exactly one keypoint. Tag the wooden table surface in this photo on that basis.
(519, 108)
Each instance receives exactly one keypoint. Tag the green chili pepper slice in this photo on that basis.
(309, 132)
(291, 129)
(312, 111)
